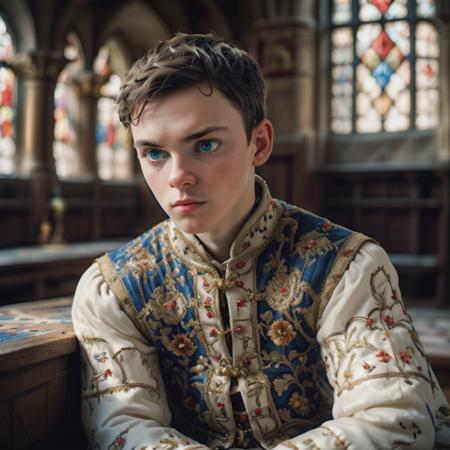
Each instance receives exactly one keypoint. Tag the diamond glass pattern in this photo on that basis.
(7, 103)
(382, 68)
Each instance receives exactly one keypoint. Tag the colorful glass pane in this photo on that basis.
(371, 10)
(342, 75)
(426, 40)
(64, 142)
(113, 155)
(342, 51)
(342, 11)
(383, 96)
(425, 8)
(7, 106)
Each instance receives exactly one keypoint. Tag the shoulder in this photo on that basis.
(312, 228)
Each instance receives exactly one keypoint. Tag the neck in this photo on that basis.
(219, 245)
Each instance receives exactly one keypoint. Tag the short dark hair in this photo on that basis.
(187, 59)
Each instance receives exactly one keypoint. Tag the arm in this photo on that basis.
(385, 394)
(123, 397)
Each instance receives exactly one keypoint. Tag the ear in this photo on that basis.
(262, 140)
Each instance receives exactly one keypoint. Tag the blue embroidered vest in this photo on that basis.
(284, 266)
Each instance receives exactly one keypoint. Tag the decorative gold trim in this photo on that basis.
(343, 259)
(116, 285)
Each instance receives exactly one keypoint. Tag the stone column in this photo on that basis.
(443, 132)
(88, 85)
(285, 46)
(37, 73)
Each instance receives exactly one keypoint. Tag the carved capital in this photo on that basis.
(88, 83)
(38, 65)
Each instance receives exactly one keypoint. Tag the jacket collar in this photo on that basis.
(250, 240)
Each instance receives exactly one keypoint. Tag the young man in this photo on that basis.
(241, 321)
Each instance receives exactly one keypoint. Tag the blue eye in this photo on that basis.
(207, 146)
(155, 154)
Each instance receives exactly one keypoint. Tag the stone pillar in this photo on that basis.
(37, 73)
(285, 43)
(88, 85)
(443, 132)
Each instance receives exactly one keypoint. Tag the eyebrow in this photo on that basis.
(190, 137)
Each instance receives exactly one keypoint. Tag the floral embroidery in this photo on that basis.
(281, 332)
(383, 357)
(312, 244)
(282, 290)
(182, 345)
(299, 403)
(405, 357)
(101, 357)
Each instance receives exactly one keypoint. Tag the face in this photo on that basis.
(196, 159)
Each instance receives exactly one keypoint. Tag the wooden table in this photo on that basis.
(39, 377)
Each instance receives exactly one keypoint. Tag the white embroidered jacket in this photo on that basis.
(385, 394)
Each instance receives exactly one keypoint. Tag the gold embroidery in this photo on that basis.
(340, 265)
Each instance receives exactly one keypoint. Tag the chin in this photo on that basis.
(191, 226)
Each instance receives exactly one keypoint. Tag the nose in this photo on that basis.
(181, 174)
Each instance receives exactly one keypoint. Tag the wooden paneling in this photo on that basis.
(406, 209)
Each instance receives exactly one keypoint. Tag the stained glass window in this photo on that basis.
(384, 66)
(64, 142)
(113, 154)
(7, 103)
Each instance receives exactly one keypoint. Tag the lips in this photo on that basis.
(186, 202)
(187, 206)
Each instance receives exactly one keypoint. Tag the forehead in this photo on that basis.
(185, 111)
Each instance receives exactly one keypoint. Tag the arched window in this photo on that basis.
(113, 153)
(384, 66)
(64, 143)
(7, 103)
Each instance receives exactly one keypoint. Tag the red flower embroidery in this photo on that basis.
(239, 264)
(239, 329)
(182, 345)
(243, 418)
(217, 357)
(205, 284)
(389, 320)
(220, 405)
(241, 302)
(368, 367)
(284, 291)
(405, 357)
(121, 441)
(348, 252)
(107, 373)
(213, 332)
(383, 356)
(246, 362)
(207, 301)
(369, 322)
(258, 411)
(326, 226)
(210, 314)
(239, 283)
(170, 305)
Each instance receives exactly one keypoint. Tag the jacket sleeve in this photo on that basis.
(123, 396)
(385, 393)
